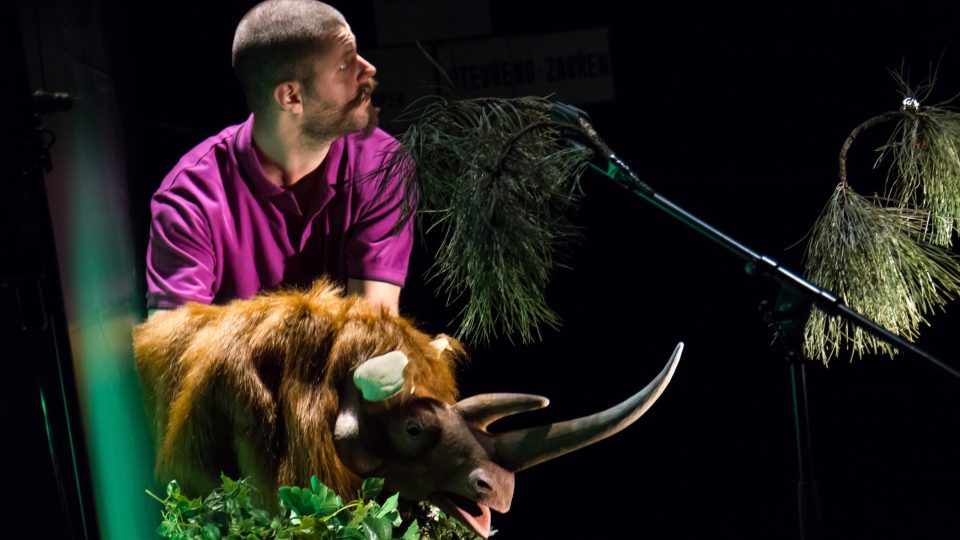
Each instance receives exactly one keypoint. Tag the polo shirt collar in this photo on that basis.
(254, 176)
(261, 186)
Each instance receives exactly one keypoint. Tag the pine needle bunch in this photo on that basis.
(874, 258)
(889, 258)
(925, 153)
(496, 179)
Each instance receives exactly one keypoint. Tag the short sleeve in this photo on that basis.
(375, 249)
(180, 255)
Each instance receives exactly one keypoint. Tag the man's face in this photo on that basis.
(338, 101)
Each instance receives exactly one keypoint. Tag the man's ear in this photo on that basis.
(289, 97)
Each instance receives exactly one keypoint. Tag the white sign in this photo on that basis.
(573, 67)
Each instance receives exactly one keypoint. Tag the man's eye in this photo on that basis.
(343, 65)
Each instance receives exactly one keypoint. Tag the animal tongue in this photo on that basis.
(474, 514)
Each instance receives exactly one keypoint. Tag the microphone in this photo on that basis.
(581, 131)
(579, 126)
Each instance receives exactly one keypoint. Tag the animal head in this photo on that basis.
(292, 384)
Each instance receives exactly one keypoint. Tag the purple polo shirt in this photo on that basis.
(221, 230)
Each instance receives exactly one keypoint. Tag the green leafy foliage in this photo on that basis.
(438, 526)
(314, 512)
(371, 488)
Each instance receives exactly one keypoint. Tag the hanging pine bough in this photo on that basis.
(887, 258)
(496, 179)
(874, 259)
(925, 149)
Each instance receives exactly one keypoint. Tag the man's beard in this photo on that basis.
(329, 121)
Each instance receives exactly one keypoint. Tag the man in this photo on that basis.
(292, 193)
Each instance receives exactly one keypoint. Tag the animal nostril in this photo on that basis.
(480, 482)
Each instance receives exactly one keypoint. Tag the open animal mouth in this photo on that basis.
(474, 514)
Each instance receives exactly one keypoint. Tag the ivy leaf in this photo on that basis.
(184, 506)
(173, 489)
(215, 501)
(211, 532)
(371, 488)
(325, 502)
(167, 529)
(293, 498)
(260, 516)
(286, 497)
(306, 500)
(360, 513)
(219, 519)
(412, 532)
(377, 528)
(228, 483)
(389, 510)
(306, 528)
(350, 533)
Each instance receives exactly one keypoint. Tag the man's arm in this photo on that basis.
(180, 254)
(376, 293)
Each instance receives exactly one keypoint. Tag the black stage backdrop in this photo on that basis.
(737, 113)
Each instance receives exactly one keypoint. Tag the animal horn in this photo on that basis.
(524, 448)
(440, 344)
(485, 409)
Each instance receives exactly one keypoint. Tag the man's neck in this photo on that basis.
(285, 156)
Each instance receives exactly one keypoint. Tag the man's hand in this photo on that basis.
(376, 293)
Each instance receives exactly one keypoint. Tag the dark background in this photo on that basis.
(737, 113)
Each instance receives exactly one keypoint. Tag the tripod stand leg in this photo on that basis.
(808, 499)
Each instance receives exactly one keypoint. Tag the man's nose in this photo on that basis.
(367, 70)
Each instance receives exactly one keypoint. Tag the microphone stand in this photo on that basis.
(32, 312)
(797, 295)
(788, 315)
(756, 264)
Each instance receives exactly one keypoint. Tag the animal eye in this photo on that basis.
(416, 430)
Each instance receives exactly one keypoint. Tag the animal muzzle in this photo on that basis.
(492, 486)
(489, 487)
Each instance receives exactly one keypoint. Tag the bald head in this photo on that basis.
(277, 40)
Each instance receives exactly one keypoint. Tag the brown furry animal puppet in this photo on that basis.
(291, 384)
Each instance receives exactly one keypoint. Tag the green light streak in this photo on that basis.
(46, 425)
(89, 208)
(71, 441)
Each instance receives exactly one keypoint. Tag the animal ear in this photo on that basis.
(441, 343)
(351, 447)
(381, 377)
